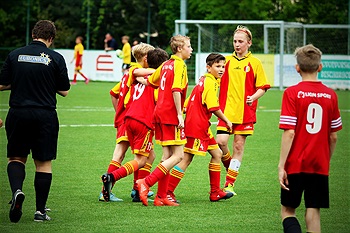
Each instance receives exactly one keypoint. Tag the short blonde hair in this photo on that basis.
(125, 38)
(244, 29)
(141, 50)
(308, 58)
(177, 41)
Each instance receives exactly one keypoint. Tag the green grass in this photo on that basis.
(84, 154)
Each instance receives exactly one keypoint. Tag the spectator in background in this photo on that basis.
(135, 42)
(110, 43)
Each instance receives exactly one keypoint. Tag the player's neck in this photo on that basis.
(46, 42)
(310, 77)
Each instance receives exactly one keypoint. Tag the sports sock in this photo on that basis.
(113, 165)
(291, 225)
(226, 159)
(163, 186)
(16, 174)
(83, 75)
(136, 177)
(214, 176)
(232, 171)
(125, 170)
(156, 175)
(75, 77)
(176, 176)
(145, 171)
(42, 184)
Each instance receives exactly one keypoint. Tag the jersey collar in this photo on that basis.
(244, 57)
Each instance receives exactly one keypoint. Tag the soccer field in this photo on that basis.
(86, 144)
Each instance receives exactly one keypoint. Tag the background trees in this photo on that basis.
(130, 17)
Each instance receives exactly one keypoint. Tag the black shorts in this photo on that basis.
(32, 129)
(125, 66)
(314, 187)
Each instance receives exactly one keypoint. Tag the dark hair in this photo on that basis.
(156, 57)
(214, 58)
(44, 29)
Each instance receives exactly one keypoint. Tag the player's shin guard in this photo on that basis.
(214, 177)
(113, 165)
(176, 176)
(163, 186)
(16, 174)
(291, 225)
(226, 159)
(125, 170)
(42, 184)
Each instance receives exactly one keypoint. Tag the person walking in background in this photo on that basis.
(110, 43)
(310, 120)
(34, 74)
(242, 84)
(78, 57)
(126, 55)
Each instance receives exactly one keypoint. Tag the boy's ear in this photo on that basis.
(320, 67)
(297, 67)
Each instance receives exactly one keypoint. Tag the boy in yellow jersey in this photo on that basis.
(78, 57)
(202, 103)
(120, 99)
(242, 84)
(126, 54)
(171, 80)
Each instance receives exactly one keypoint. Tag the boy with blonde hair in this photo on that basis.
(120, 99)
(171, 80)
(126, 54)
(310, 119)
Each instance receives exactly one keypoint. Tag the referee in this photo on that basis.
(34, 74)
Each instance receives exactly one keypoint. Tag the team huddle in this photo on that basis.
(150, 101)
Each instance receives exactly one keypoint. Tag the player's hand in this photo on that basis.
(181, 121)
(282, 176)
(250, 100)
(229, 126)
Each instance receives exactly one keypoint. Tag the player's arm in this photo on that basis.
(221, 115)
(250, 99)
(5, 87)
(63, 93)
(332, 142)
(114, 102)
(177, 102)
(286, 143)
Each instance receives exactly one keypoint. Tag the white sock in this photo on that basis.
(235, 164)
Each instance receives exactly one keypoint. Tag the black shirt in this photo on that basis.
(112, 44)
(35, 73)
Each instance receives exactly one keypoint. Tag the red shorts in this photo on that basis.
(244, 129)
(121, 133)
(140, 137)
(169, 135)
(200, 147)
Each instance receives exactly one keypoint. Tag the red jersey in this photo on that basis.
(121, 92)
(311, 109)
(142, 104)
(201, 103)
(170, 77)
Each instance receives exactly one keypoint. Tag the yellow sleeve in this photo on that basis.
(180, 75)
(154, 79)
(209, 96)
(80, 49)
(116, 89)
(261, 79)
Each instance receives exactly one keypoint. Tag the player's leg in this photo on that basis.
(289, 221)
(86, 79)
(235, 163)
(214, 168)
(313, 220)
(222, 138)
(176, 175)
(42, 185)
(75, 77)
(316, 196)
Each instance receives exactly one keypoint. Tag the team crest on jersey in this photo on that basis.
(301, 94)
(246, 69)
(42, 59)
